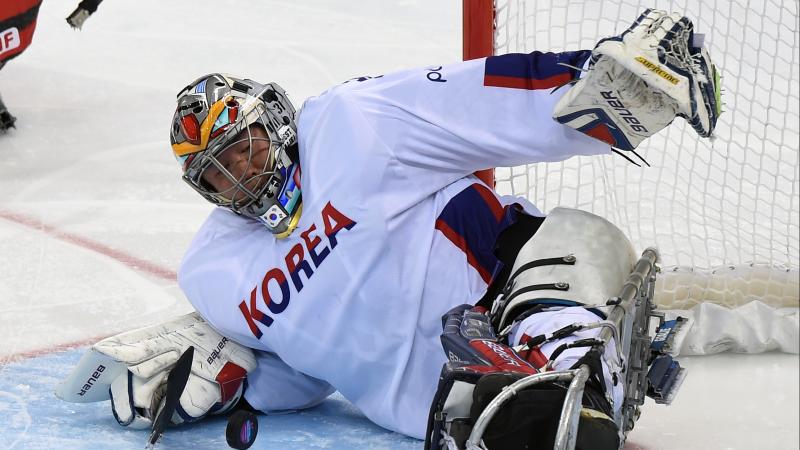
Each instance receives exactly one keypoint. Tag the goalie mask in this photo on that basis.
(236, 141)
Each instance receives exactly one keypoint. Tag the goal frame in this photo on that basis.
(745, 280)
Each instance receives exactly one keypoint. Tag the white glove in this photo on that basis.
(131, 368)
(640, 81)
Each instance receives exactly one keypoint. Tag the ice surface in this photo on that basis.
(726, 402)
(94, 217)
(32, 418)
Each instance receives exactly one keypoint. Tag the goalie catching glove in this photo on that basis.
(640, 81)
(131, 369)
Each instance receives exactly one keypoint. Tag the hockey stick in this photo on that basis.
(176, 382)
(85, 9)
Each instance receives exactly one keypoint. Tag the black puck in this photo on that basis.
(242, 429)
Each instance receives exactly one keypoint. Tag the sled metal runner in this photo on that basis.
(630, 316)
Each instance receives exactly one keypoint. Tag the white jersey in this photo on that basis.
(395, 231)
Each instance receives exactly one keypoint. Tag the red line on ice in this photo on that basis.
(14, 357)
(124, 258)
(118, 255)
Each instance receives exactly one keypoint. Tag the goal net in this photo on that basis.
(724, 212)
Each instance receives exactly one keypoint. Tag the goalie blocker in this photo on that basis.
(131, 369)
(573, 359)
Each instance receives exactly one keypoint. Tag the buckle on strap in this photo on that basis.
(568, 260)
(499, 304)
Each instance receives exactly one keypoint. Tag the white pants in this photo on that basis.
(546, 322)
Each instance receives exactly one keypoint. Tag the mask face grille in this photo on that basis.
(233, 139)
(238, 172)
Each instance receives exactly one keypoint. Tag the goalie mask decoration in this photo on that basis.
(236, 141)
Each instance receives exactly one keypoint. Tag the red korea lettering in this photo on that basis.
(274, 287)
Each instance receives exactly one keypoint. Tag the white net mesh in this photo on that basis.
(724, 213)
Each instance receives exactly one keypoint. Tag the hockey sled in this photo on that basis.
(648, 368)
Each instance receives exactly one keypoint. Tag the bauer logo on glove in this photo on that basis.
(131, 370)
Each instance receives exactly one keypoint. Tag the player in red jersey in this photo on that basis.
(17, 24)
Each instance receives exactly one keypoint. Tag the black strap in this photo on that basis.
(568, 260)
(538, 287)
(90, 5)
(493, 291)
(594, 396)
(590, 342)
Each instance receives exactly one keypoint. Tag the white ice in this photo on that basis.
(94, 217)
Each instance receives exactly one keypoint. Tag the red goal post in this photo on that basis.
(478, 42)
